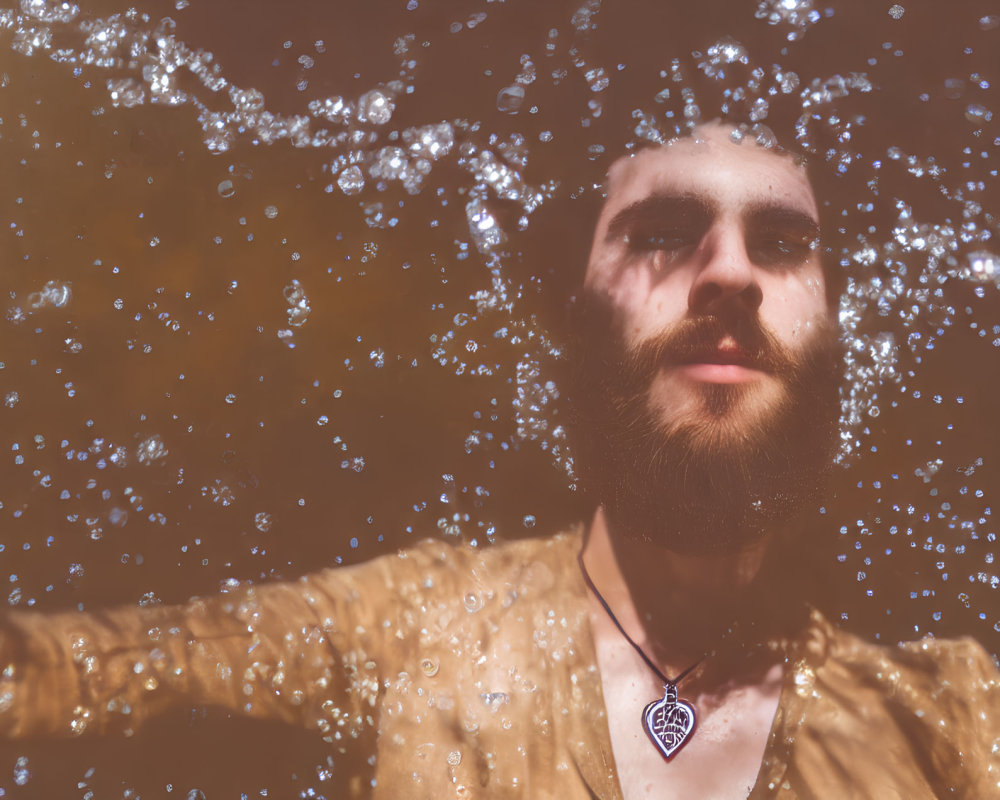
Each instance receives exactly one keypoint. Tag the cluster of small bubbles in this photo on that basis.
(151, 450)
(126, 92)
(47, 11)
(483, 227)
(391, 163)
(720, 55)
(583, 18)
(333, 109)
(55, 294)
(425, 144)
(897, 11)
(22, 771)
(794, 15)
(219, 492)
(11, 399)
(298, 304)
(374, 214)
(981, 267)
(977, 113)
(28, 39)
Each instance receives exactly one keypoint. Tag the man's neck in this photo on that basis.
(676, 607)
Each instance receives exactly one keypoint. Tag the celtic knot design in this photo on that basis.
(669, 722)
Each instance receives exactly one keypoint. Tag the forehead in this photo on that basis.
(711, 165)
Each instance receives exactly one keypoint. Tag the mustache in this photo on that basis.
(697, 339)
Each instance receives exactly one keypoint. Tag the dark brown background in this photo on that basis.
(900, 556)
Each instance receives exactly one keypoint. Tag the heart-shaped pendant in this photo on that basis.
(669, 722)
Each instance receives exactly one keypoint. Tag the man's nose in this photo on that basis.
(726, 276)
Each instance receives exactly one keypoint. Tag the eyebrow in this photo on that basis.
(684, 209)
(772, 216)
(696, 210)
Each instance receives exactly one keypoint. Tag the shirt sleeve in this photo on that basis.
(302, 652)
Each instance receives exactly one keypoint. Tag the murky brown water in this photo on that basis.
(225, 359)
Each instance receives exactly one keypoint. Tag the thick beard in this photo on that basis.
(728, 471)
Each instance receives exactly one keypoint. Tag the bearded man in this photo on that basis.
(576, 666)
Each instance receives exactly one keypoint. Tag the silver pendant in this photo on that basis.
(669, 722)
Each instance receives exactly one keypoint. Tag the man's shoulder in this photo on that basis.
(960, 664)
(438, 568)
(439, 552)
(935, 699)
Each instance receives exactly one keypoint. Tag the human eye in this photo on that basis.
(672, 241)
(781, 248)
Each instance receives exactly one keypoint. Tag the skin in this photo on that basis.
(703, 226)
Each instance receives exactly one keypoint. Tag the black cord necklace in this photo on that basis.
(668, 722)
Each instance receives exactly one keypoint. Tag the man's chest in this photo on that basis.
(723, 755)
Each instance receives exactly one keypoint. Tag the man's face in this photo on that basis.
(705, 228)
(717, 346)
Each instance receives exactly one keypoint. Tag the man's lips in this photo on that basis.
(726, 362)
(735, 357)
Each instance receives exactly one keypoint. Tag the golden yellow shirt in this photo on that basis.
(472, 673)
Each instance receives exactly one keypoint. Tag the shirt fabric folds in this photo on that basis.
(471, 672)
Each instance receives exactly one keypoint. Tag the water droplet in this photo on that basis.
(298, 304)
(529, 521)
(375, 107)
(510, 99)
(230, 398)
(473, 602)
(981, 266)
(55, 294)
(271, 212)
(978, 114)
(22, 774)
(262, 521)
(429, 666)
(351, 180)
(454, 758)
(990, 22)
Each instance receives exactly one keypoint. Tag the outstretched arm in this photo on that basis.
(302, 652)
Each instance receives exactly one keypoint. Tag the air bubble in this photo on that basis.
(226, 188)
